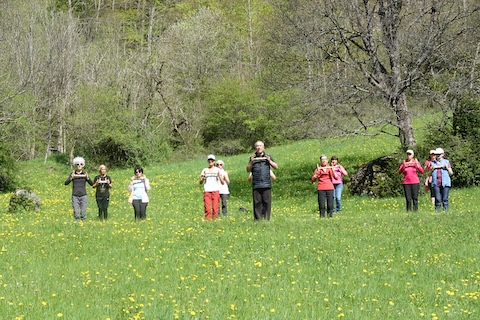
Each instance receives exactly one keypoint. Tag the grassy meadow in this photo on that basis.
(372, 261)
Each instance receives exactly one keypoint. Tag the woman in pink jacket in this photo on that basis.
(411, 183)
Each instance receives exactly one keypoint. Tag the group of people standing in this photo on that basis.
(216, 181)
(329, 185)
(437, 182)
(215, 185)
(102, 182)
(138, 187)
(260, 165)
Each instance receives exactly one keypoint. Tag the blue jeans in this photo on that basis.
(441, 197)
(338, 196)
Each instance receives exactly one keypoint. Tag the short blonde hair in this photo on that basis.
(102, 166)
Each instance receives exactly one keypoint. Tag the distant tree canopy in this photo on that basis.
(131, 81)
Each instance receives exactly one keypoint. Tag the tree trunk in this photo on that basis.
(404, 122)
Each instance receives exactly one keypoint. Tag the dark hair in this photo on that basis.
(137, 169)
(334, 158)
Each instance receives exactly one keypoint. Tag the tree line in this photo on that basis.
(135, 81)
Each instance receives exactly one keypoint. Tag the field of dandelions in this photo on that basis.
(372, 261)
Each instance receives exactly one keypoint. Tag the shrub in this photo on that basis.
(378, 178)
(7, 170)
(228, 147)
(460, 142)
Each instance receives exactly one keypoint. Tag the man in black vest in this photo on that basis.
(259, 165)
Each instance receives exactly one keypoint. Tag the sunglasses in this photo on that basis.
(79, 164)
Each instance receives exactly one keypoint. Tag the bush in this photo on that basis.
(378, 178)
(228, 147)
(460, 142)
(7, 170)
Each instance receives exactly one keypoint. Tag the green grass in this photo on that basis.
(373, 261)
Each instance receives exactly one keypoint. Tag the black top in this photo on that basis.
(261, 172)
(79, 180)
(102, 186)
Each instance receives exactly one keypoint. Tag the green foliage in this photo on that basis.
(7, 169)
(238, 115)
(388, 181)
(61, 158)
(233, 114)
(117, 153)
(466, 120)
(461, 142)
(106, 133)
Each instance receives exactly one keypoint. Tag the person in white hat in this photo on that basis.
(211, 179)
(410, 167)
(441, 182)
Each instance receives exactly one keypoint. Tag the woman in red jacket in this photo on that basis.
(411, 183)
(324, 174)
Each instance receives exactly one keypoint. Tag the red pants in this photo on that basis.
(210, 203)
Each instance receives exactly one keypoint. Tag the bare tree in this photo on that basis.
(381, 47)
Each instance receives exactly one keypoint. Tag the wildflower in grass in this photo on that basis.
(59, 315)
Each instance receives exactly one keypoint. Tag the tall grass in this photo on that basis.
(373, 261)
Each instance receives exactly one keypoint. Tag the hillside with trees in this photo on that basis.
(136, 81)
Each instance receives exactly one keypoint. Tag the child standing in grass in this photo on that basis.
(79, 192)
